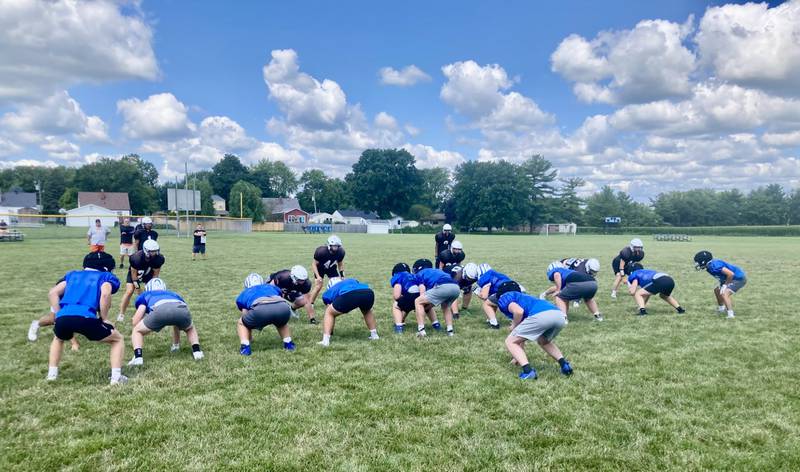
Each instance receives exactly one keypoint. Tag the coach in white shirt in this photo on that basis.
(96, 236)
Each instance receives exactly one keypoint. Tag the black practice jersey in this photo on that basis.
(198, 235)
(627, 255)
(443, 240)
(449, 257)
(327, 259)
(125, 234)
(143, 235)
(576, 263)
(145, 266)
(283, 280)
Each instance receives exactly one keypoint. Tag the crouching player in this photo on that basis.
(572, 285)
(488, 283)
(261, 305)
(294, 285)
(634, 252)
(405, 291)
(81, 303)
(436, 287)
(532, 319)
(343, 296)
(731, 279)
(48, 320)
(587, 266)
(642, 283)
(156, 308)
(466, 278)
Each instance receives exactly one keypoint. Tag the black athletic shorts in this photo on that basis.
(363, 299)
(615, 266)
(93, 328)
(292, 295)
(662, 285)
(332, 271)
(406, 302)
(199, 249)
(145, 278)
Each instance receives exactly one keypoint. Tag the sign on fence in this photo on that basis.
(186, 200)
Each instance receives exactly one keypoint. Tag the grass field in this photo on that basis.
(662, 392)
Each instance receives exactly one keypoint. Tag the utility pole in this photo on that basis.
(186, 187)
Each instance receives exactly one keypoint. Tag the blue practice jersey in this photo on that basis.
(345, 286)
(494, 279)
(248, 296)
(433, 277)
(715, 266)
(150, 298)
(568, 275)
(82, 293)
(531, 305)
(408, 282)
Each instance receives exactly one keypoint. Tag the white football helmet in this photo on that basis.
(593, 266)
(333, 281)
(147, 220)
(252, 280)
(636, 242)
(334, 240)
(483, 268)
(457, 245)
(150, 246)
(470, 271)
(447, 227)
(298, 272)
(155, 284)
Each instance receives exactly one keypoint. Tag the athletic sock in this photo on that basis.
(287, 339)
(493, 322)
(52, 372)
(137, 352)
(721, 308)
(244, 343)
(526, 368)
(373, 332)
(420, 327)
(399, 325)
(326, 338)
(116, 373)
(36, 322)
(195, 347)
(449, 327)
(730, 313)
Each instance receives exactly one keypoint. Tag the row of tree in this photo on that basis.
(386, 181)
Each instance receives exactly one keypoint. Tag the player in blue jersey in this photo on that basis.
(81, 302)
(437, 288)
(643, 283)
(156, 308)
(48, 320)
(488, 283)
(405, 291)
(260, 305)
(570, 285)
(343, 296)
(731, 279)
(532, 319)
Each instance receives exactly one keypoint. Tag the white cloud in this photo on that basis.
(406, 77)
(49, 46)
(473, 90)
(159, 116)
(385, 121)
(224, 133)
(753, 44)
(8, 148)
(60, 148)
(791, 139)
(412, 130)
(428, 157)
(649, 62)
(57, 114)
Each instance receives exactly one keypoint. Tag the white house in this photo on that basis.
(398, 222)
(320, 218)
(84, 216)
(115, 201)
(15, 200)
(355, 217)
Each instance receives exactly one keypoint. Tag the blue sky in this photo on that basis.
(644, 96)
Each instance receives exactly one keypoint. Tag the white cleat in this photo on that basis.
(121, 380)
(175, 348)
(374, 337)
(33, 331)
(421, 333)
(576, 304)
(730, 316)
(614, 294)
(51, 377)
(121, 317)
(323, 344)
(598, 317)
(136, 361)
(198, 355)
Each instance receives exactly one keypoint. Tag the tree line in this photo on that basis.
(474, 195)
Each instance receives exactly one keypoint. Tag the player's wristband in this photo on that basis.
(52, 310)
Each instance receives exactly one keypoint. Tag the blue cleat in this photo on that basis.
(289, 346)
(566, 369)
(437, 326)
(398, 329)
(245, 350)
(528, 375)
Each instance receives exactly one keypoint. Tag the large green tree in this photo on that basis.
(129, 174)
(227, 172)
(436, 188)
(490, 194)
(539, 175)
(274, 178)
(322, 192)
(569, 204)
(794, 207)
(245, 201)
(384, 181)
(766, 206)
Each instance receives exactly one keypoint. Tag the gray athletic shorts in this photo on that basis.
(168, 314)
(275, 313)
(736, 284)
(547, 324)
(578, 291)
(441, 294)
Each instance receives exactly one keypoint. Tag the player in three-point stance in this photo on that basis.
(731, 279)
(643, 283)
(261, 305)
(343, 296)
(634, 252)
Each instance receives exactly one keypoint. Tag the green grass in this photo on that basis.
(664, 392)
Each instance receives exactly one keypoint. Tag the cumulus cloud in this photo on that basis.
(649, 62)
(753, 44)
(60, 148)
(49, 46)
(428, 157)
(158, 116)
(406, 77)
(57, 114)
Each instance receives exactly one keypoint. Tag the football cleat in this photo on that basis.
(528, 375)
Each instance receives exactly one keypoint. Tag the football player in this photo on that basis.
(261, 305)
(343, 296)
(405, 290)
(436, 287)
(642, 283)
(443, 239)
(634, 252)
(295, 286)
(144, 265)
(572, 285)
(731, 279)
(488, 283)
(328, 261)
(144, 232)
(454, 255)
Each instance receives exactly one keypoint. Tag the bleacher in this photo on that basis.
(11, 235)
(672, 237)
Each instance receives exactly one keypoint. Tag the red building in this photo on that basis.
(286, 210)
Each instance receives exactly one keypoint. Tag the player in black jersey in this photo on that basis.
(621, 265)
(125, 241)
(585, 266)
(145, 265)
(454, 255)
(294, 285)
(144, 232)
(443, 239)
(328, 262)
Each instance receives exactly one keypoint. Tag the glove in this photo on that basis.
(723, 288)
